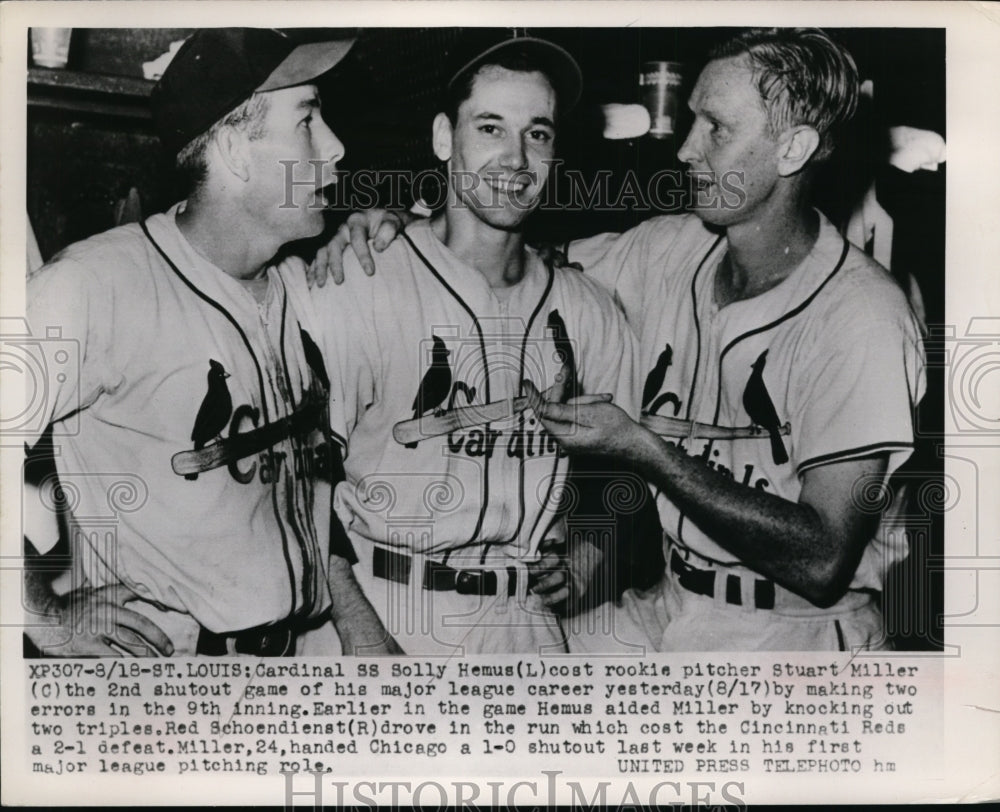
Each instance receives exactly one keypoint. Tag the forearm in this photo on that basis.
(360, 630)
(786, 541)
(39, 597)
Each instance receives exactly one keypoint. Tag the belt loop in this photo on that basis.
(418, 564)
(747, 592)
(502, 579)
(720, 587)
(517, 570)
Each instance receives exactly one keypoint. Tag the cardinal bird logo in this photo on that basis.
(564, 352)
(215, 411)
(760, 407)
(654, 382)
(314, 358)
(435, 387)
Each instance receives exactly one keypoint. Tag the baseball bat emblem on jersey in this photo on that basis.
(410, 432)
(690, 429)
(240, 445)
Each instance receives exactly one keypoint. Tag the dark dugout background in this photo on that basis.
(90, 142)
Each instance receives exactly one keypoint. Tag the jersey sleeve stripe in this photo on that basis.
(853, 453)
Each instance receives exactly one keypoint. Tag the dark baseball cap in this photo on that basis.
(217, 69)
(478, 47)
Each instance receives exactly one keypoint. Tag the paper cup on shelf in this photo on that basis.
(50, 46)
(622, 121)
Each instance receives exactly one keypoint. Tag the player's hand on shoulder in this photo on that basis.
(364, 232)
(555, 257)
(96, 622)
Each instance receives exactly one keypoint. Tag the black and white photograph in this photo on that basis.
(439, 403)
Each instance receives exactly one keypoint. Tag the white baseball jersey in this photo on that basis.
(426, 321)
(427, 335)
(191, 471)
(831, 356)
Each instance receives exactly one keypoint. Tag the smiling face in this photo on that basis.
(500, 148)
(289, 164)
(733, 156)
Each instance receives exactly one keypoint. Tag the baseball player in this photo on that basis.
(453, 490)
(199, 384)
(790, 358)
(779, 368)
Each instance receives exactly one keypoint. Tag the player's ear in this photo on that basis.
(441, 137)
(796, 146)
(232, 147)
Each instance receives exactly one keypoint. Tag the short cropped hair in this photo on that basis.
(249, 117)
(522, 60)
(803, 77)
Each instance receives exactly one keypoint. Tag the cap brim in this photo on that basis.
(564, 68)
(305, 63)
